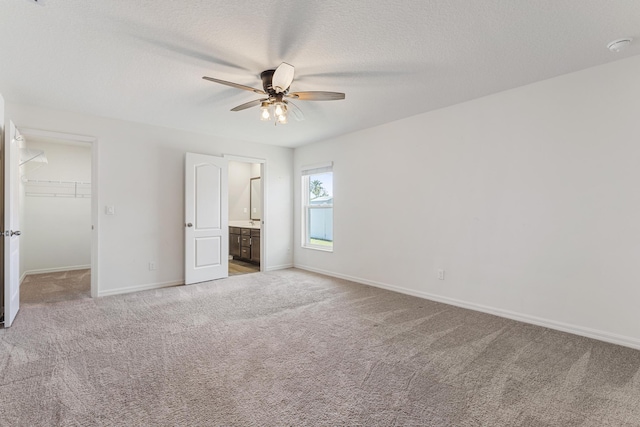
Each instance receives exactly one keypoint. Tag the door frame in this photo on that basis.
(263, 183)
(95, 217)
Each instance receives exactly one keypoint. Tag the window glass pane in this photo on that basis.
(321, 188)
(320, 210)
(321, 226)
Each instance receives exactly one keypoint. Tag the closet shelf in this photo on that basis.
(47, 188)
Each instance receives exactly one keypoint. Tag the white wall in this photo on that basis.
(240, 174)
(141, 172)
(528, 199)
(239, 190)
(255, 170)
(56, 230)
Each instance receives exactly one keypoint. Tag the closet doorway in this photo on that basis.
(56, 217)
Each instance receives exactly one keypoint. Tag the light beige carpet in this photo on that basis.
(55, 287)
(291, 348)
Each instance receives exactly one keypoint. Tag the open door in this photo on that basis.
(206, 218)
(11, 233)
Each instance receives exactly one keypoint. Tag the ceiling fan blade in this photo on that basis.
(282, 77)
(316, 96)
(249, 104)
(295, 110)
(236, 85)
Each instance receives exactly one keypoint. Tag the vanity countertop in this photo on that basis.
(245, 224)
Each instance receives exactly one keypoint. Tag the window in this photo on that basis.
(317, 205)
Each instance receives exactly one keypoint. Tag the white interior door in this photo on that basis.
(11, 224)
(206, 218)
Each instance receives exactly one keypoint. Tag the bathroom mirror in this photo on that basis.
(255, 205)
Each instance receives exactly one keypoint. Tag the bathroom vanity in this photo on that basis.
(244, 242)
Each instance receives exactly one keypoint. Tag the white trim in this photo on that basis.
(57, 135)
(307, 207)
(57, 269)
(317, 247)
(317, 168)
(243, 159)
(525, 318)
(137, 288)
(24, 276)
(95, 220)
(278, 267)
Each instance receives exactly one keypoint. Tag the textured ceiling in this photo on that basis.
(144, 60)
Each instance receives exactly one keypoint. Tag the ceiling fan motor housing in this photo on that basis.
(267, 79)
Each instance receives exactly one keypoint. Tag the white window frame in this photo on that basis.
(306, 172)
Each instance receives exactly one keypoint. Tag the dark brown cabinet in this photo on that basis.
(234, 241)
(255, 246)
(244, 244)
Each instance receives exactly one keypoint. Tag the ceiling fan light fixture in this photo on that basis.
(276, 84)
(279, 108)
(280, 111)
(265, 114)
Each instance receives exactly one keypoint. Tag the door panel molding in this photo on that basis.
(206, 218)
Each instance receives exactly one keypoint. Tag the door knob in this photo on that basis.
(189, 224)
(16, 233)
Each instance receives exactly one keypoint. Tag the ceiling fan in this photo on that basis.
(277, 103)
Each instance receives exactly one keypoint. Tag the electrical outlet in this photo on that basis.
(244, 210)
(440, 274)
(152, 265)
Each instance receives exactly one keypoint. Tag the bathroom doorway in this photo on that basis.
(246, 234)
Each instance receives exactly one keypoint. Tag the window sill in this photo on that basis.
(318, 248)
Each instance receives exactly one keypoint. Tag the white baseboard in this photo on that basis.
(24, 275)
(278, 267)
(525, 318)
(57, 269)
(137, 288)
